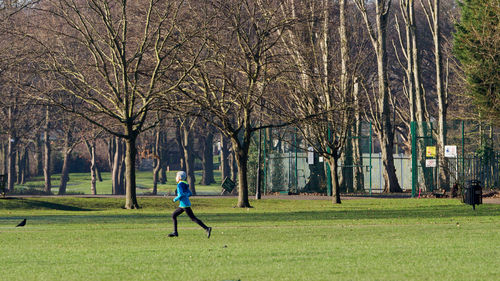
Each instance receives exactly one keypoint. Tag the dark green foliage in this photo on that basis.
(476, 45)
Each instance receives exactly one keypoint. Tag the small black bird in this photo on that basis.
(23, 223)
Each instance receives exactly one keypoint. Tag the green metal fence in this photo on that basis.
(289, 167)
(471, 152)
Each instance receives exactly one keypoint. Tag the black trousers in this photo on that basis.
(190, 214)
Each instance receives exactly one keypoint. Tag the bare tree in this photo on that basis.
(433, 13)
(382, 111)
(320, 94)
(111, 56)
(237, 71)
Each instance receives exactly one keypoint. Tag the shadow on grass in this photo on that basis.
(22, 203)
(320, 217)
(353, 216)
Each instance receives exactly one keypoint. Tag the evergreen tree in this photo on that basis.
(476, 45)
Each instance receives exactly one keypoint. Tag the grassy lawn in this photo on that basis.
(80, 184)
(70, 238)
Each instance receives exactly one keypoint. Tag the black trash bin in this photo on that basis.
(473, 193)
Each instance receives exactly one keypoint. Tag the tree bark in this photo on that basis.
(333, 161)
(158, 159)
(187, 147)
(224, 158)
(178, 136)
(47, 153)
(38, 155)
(130, 156)
(97, 171)
(18, 167)
(233, 166)
(11, 160)
(65, 167)
(5, 156)
(115, 171)
(93, 174)
(241, 157)
(383, 122)
(359, 182)
(64, 174)
(120, 166)
(444, 178)
(21, 164)
(208, 160)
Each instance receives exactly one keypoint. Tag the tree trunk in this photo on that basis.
(157, 160)
(164, 158)
(130, 184)
(97, 171)
(163, 172)
(385, 130)
(187, 147)
(224, 158)
(65, 168)
(5, 156)
(241, 157)
(444, 178)
(120, 163)
(346, 180)
(19, 168)
(178, 137)
(93, 173)
(64, 174)
(47, 152)
(390, 178)
(359, 182)
(22, 165)
(240, 150)
(11, 160)
(117, 157)
(333, 161)
(27, 171)
(233, 166)
(111, 152)
(38, 156)
(208, 160)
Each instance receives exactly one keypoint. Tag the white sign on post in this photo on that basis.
(430, 163)
(450, 151)
(310, 156)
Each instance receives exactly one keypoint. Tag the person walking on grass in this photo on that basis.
(183, 194)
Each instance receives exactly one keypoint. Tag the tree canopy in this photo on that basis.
(476, 46)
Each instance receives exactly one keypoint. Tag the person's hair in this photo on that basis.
(182, 175)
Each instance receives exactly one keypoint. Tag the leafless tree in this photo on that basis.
(238, 68)
(111, 55)
(381, 112)
(320, 93)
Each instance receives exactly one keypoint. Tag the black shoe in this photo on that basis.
(173, 234)
(209, 231)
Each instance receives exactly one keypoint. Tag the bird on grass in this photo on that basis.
(23, 223)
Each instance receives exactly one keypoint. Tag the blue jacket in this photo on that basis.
(183, 194)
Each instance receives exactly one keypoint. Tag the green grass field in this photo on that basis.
(69, 238)
(80, 184)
